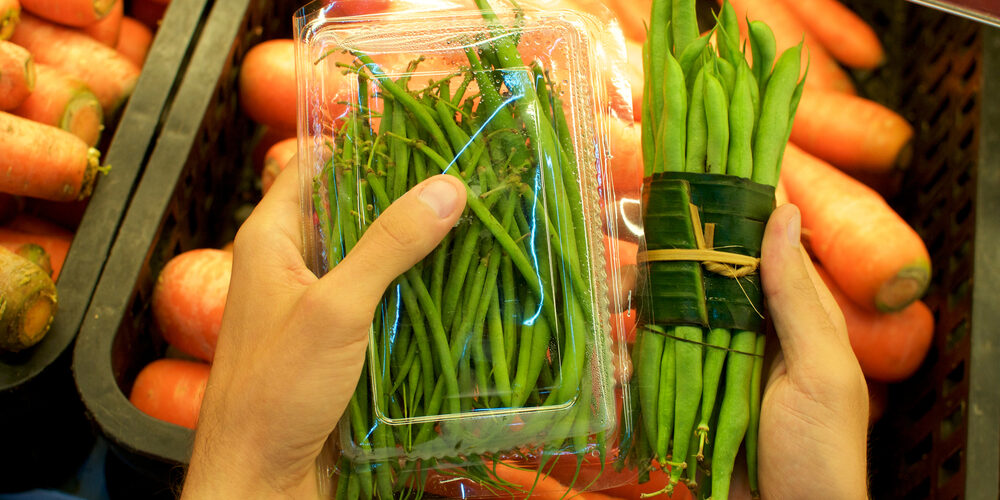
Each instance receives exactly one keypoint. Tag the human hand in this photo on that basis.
(814, 413)
(292, 345)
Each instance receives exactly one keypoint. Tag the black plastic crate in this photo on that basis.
(186, 199)
(941, 435)
(45, 433)
(940, 438)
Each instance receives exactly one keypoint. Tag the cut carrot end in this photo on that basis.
(103, 7)
(29, 72)
(36, 320)
(904, 288)
(8, 21)
(84, 118)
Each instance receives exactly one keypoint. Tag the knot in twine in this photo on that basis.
(732, 265)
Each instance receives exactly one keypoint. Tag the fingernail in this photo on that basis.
(440, 196)
(794, 229)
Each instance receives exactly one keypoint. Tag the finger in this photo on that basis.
(279, 211)
(399, 238)
(805, 329)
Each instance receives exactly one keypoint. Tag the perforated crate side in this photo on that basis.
(933, 77)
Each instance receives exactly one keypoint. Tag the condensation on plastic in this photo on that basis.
(456, 429)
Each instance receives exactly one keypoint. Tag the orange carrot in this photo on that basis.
(63, 102)
(134, 41)
(42, 161)
(29, 224)
(267, 137)
(276, 159)
(789, 32)
(634, 76)
(189, 298)
(889, 347)
(148, 12)
(107, 29)
(171, 390)
(854, 134)
(55, 245)
(17, 75)
(10, 14)
(267, 84)
(108, 74)
(29, 302)
(70, 12)
(873, 255)
(849, 39)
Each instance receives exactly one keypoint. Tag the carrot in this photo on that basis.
(63, 102)
(70, 12)
(56, 246)
(108, 74)
(626, 157)
(871, 253)
(134, 41)
(358, 7)
(10, 14)
(29, 224)
(189, 297)
(633, 15)
(889, 347)
(37, 255)
(849, 39)
(42, 161)
(17, 75)
(267, 84)
(853, 133)
(789, 32)
(109, 28)
(148, 12)
(29, 302)
(546, 488)
(276, 159)
(171, 390)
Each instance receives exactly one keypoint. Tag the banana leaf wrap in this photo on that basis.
(684, 292)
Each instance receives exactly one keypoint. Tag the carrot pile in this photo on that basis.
(61, 80)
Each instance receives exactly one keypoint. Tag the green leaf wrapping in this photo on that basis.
(683, 293)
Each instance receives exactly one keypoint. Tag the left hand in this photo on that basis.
(292, 345)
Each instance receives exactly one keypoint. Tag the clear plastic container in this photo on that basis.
(495, 353)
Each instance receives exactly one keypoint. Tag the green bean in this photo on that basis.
(684, 24)
(510, 316)
(687, 360)
(691, 55)
(440, 258)
(715, 357)
(697, 128)
(753, 428)
(734, 415)
(771, 135)
(460, 339)
(728, 35)
(717, 120)
(461, 264)
(648, 125)
(763, 47)
(672, 124)
(741, 124)
(659, 42)
(726, 74)
(647, 370)
(666, 397)
(400, 153)
(501, 375)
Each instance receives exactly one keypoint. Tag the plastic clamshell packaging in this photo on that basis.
(495, 351)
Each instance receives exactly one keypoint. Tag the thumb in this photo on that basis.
(808, 323)
(399, 238)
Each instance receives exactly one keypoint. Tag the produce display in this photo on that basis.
(765, 73)
(62, 82)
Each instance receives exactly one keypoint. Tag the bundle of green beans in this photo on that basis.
(500, 317)
(714, 129)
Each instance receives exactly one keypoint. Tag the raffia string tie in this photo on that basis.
(728, 264)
